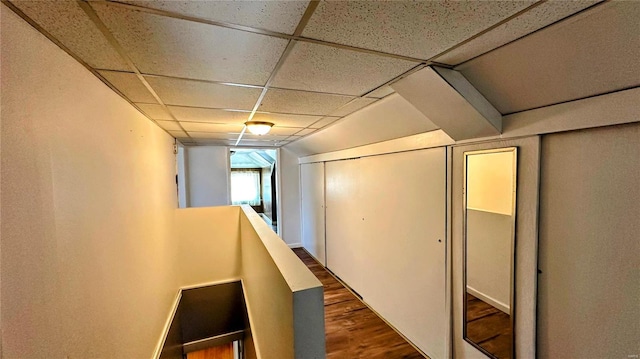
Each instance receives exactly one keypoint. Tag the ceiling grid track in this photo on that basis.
(86, 7)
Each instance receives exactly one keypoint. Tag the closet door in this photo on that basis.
(404, 275)
(313, 236)
(345, 252)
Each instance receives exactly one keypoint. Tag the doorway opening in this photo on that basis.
(254, 182)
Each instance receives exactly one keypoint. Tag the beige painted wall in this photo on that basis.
(88, 198)
(490, 187)
(209, 248)
(207, 173)
(589, 288)
(284, 299)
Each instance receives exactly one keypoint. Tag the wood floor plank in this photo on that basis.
(352, 330)
(219, 352)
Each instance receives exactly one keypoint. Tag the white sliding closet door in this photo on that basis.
(386, 231)
(404, 209)
(345, 251)
(312, 179)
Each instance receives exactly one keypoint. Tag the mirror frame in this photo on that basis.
(512, 250)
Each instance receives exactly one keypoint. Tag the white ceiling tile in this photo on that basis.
(211, 127)
(155, 111)
(544, 14)
(300, 102)
(179, 134)
(286, 120)
(195, 114)
(212, 135)
(592, 53)
(173, 47)
(129, 85)
(169, 125)
(322, 68)
(268, 137)
(280, 16)
(381, 92)
(284, 131)
(324, 122)
(213, 142)
(257, 143)
(353, 106)
(419, 29)
(306, 131)
(203, 94)
(69, 24)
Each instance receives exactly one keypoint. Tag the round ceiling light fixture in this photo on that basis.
(258, 127)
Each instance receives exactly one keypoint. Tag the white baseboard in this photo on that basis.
(294, 245)
(489, 300)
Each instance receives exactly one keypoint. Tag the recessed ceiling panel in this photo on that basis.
(306, 131)
(419, 29)
(155, 111)
(69, 24)
(322, 68)
(196, 114)
(300, 102)
(167, 46)
(268, 137)
(353, 106)
(211, 127)
(213, 142)
(591, 53)
(129, 85)
(169, 125)
(324, 122)
(383, 91)
(544, 14)
(286, 120)
(203, 94)
(280, 16)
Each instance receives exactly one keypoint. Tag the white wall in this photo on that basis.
(289, 192)
(313, 224)
(208, 176)
(589, 244)
(88, 199)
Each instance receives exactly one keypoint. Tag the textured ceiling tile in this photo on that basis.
(179, 134)
(286, 120)
(155, 111)
(306, 103)
(381, 92)
(544, 14)
(541, 69)
(306, 131)
(204, 94)
(284, 131)
(69, 24)
(167, 46)
(213, 142)
(258, 143)
(354, 106)
(268, 137)
(211, 127)
(324, 122)
(420, 29)
(191, 114)
(212, 135)
(321, 68)
(169, 125)
(280, 16)
(129, 85)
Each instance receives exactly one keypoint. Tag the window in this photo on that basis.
(245, 187)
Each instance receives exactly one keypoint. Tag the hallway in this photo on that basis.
(352, 329)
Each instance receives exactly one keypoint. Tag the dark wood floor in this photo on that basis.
(352, 329)
(489, 327)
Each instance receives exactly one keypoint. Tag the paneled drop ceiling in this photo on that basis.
(200, 69)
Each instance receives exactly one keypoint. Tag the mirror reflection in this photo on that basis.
(490, 188)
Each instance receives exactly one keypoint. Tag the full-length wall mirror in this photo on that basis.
(488, 244)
